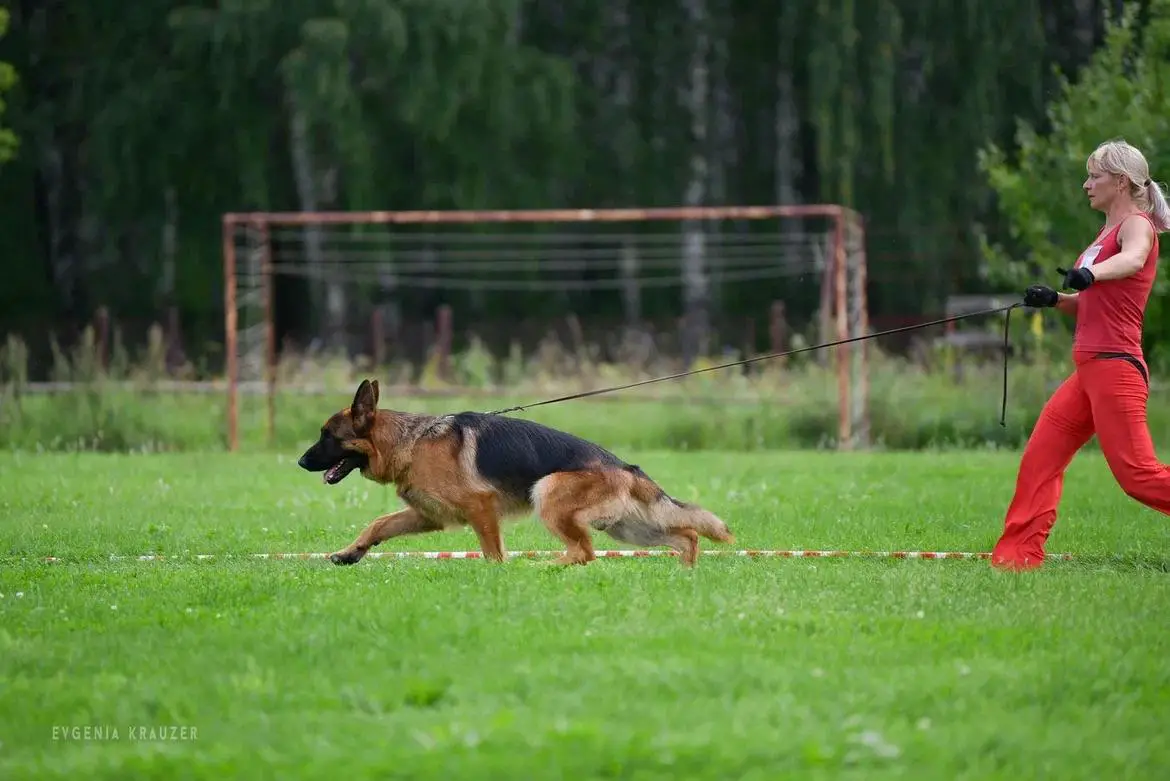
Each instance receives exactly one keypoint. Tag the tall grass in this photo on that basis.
(783, 404)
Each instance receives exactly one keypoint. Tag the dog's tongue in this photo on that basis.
(328, 474)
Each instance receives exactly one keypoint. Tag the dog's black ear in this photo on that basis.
(365, 407)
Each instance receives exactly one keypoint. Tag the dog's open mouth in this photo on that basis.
(336, 473)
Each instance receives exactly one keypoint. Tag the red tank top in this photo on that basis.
(1110, 314)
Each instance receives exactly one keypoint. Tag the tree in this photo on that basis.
(8, 142)
(150, 120)
(1124, 91)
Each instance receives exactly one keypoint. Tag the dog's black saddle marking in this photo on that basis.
(513, 453)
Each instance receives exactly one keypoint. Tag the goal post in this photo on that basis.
(460, 250)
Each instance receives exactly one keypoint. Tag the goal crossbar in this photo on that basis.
(843, 287)
(664, 213)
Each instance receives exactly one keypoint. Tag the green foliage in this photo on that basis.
(435, 104)
(8, 140)
(443, 83)
(1121, 92)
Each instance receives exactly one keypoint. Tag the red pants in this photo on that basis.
(1103, 396)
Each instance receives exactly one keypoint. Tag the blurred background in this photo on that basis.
(957, 130)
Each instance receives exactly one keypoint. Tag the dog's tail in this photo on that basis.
(667, 512)
(674, 514)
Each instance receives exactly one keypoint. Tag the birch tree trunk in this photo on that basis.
(721, 146)
(696, 284)
(169, 244)
(788, 158)
(617, 78)
(61, 256)
(328, 293)
(631, 292)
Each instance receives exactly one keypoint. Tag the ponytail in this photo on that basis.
(1158, 209)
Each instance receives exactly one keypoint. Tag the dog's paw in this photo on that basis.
(346, 557)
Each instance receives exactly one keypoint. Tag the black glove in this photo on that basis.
(1078, 278)
(1038, 296)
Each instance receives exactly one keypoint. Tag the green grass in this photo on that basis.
(623, 669)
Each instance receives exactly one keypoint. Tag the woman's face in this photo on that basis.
(1101, 187)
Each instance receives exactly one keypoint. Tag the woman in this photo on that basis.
(1106, 393)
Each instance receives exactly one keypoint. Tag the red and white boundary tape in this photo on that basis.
(601, 554)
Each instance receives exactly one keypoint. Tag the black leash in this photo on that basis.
(1007, 321)
(770, 356)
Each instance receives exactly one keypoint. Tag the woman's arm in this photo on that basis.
(1136, 237)
(1067, 302)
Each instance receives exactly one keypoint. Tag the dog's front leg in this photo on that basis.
(408, 521)
(483, 517)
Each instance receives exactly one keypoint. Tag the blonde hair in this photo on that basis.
(1120, 158)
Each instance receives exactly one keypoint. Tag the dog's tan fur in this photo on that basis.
(437, 465)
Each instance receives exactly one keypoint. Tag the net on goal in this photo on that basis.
(670, 285)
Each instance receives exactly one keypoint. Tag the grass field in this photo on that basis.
(627, 668)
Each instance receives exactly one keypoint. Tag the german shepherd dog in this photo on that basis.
(475, 469)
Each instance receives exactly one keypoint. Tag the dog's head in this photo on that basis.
(344, 442)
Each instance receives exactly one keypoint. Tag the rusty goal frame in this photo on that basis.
(843, 300)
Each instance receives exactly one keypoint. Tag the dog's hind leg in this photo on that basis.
(567, 503)
(570, 503)
(407, 521)
(637, 531)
